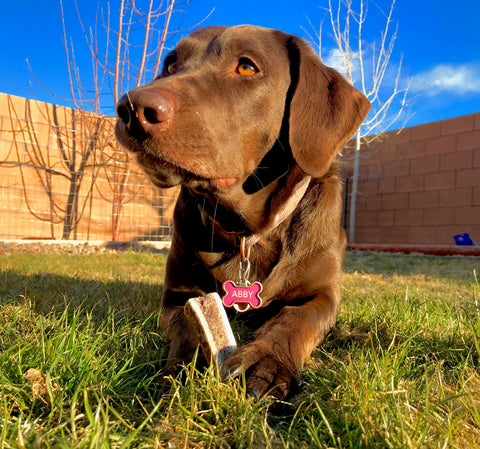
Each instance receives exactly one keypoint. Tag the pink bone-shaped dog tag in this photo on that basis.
(246, 295)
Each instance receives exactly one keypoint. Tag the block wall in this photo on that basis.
(417, 186)
(64, 176)
(420, 185)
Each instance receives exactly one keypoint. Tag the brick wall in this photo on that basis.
(422, 185)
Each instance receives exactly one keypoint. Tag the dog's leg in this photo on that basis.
(273, 360)
(185, 278)
(182, 340)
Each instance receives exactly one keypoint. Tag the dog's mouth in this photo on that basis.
(165, 173)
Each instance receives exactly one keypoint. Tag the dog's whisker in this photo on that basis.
(281, 145)
(259, 180)
(213, 227)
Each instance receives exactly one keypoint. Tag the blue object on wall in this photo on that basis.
(463, 240)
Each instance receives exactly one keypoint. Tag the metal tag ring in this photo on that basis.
(244, 255)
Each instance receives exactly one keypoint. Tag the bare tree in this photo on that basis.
(59, 152)
(368, 67)
(125, 45)
(126, 48)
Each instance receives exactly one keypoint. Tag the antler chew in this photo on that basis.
(209, 321)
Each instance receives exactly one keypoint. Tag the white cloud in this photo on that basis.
(333, 58)
(448, 78)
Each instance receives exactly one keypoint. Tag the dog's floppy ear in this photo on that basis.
(325, 110)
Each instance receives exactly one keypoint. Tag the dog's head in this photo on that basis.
(226, 98)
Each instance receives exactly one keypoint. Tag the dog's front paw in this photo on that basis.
(265, 372)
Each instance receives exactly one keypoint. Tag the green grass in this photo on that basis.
(400, 371)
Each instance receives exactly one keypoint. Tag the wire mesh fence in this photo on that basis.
(64, 176)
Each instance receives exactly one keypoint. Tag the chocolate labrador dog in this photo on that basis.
(249, 120)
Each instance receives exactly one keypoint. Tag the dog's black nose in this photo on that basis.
(144, 112)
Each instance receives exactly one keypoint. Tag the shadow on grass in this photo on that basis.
(88, 327)
(51, 292)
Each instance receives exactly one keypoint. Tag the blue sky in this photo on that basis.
(438, 39)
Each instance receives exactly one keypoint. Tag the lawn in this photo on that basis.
(80, 354)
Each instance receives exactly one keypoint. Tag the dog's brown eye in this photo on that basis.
(246, 67)
(171, 68)
(170, 64)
